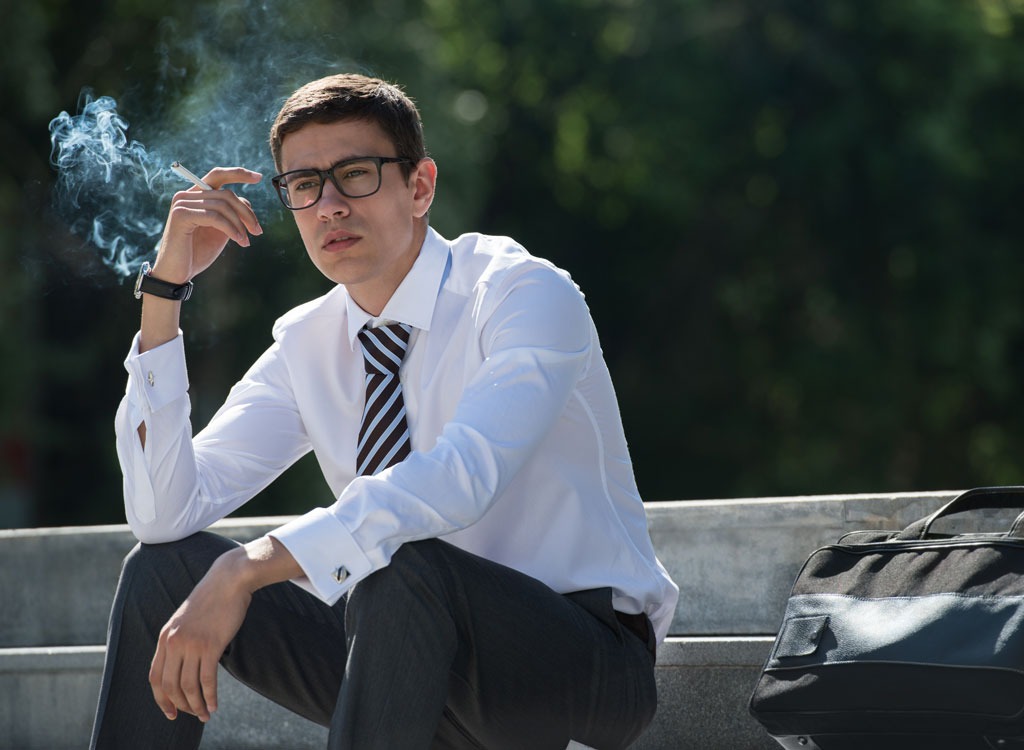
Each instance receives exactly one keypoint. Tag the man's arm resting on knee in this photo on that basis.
(183, 675)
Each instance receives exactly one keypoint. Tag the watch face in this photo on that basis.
(143, 273)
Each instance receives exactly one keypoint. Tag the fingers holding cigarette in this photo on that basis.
(185, 172)
(217, 177)
(234, 211)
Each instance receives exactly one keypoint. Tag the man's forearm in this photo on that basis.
(161, 320)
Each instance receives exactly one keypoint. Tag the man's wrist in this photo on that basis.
(259, 563)
(236, 567)
(167, 269)
(148, 283)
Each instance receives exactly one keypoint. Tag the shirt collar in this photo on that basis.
(416, 297)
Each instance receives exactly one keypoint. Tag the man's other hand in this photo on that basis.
(183, 675)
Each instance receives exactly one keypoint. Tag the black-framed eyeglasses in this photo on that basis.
(358, 177)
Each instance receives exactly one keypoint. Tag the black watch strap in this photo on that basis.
(146, 283)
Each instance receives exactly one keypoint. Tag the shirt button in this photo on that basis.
(341, 574)
(150, 379)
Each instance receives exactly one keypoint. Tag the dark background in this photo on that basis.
(798, 224)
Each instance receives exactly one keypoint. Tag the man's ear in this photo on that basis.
(423, 179)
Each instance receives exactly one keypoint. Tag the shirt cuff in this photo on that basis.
(159, 376)
(326, 552)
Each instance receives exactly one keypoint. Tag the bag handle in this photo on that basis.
(975, 499)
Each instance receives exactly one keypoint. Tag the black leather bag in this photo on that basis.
(904, 639)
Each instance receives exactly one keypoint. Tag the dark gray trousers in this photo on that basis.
(440, 649)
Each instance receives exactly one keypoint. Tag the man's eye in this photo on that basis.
(303, 184)
(354, 173)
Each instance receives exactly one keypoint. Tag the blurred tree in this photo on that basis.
(793, 221)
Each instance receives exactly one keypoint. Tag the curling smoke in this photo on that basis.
(108, 185)
(219, 86)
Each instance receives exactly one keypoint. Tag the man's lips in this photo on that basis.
(339, 240)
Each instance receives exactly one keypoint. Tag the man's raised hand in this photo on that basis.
(201, 222)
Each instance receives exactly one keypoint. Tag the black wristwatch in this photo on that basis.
(148, 284)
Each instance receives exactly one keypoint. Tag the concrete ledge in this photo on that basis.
(734, 560)
(45, 695)
(49, 697)
(704, 684)
(58, 583)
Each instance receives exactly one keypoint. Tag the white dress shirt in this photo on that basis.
(518, 453)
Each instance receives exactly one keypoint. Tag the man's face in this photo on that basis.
(368, 244)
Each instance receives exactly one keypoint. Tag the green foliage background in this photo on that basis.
(797, 223)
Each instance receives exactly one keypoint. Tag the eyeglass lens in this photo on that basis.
(354, 179)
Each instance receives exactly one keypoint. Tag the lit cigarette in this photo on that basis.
(188, 175)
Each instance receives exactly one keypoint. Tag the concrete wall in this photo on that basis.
(734, 561)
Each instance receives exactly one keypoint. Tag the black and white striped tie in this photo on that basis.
(383, 431)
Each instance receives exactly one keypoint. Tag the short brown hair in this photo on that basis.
(349, 96)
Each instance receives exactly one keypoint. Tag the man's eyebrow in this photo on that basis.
(328, 166)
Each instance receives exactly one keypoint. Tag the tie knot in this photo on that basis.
(384, 348)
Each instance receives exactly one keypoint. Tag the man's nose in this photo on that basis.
(332, 202)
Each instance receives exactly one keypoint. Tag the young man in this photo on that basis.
(485, 578)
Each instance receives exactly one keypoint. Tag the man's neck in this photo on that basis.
(374, 297)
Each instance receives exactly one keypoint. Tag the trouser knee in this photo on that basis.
(418, 569)
(171, 569)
